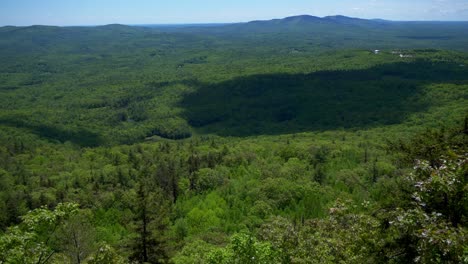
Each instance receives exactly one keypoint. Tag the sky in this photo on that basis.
(100, 12)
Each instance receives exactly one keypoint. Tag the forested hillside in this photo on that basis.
(283, 141)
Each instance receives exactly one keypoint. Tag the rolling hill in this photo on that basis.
(136, 82)
(281, 141)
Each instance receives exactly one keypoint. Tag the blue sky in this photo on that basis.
(98, 12)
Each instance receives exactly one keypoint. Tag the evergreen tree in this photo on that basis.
(150, 221)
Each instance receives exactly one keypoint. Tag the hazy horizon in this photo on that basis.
(154, 12)
(220, 23)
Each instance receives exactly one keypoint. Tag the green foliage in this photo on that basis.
(29, 242)
(434, 227)
(343, 236)
(110, 85)
(316, 101)
(122, 120)
(76, 237)
(194, 252)
(105, 255)
(150, 223)
(207, 215)
(244, 248)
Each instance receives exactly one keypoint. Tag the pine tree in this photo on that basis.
(151, 219)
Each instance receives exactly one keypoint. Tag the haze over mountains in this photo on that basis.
(282, 141)
(337, 19)
(298, 20)
(308, 19)
(174, 50)
(327, 32)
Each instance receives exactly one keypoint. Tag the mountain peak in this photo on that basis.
(114, 26)
(303, 17)
(341, 18)
(337, 19)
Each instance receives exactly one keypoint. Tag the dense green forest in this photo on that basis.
(283, 141)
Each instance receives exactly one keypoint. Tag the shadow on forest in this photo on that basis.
(80, 137)
(287, 103)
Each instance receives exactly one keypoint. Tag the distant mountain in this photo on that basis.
(40, 39)
(303, 19)
(343, 19)
(117, 27)
(298, 24)
(35, 29)
(300, 31)
(341, 31)
(40, 29)
(355, 21)
(307, 20)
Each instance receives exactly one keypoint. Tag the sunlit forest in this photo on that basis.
(296, 140)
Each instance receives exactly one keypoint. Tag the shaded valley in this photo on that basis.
(289, 103)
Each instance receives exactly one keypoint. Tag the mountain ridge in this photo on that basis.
(314, 20)
(296, 18)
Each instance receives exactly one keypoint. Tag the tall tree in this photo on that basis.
(76, 237)
(151, 220)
